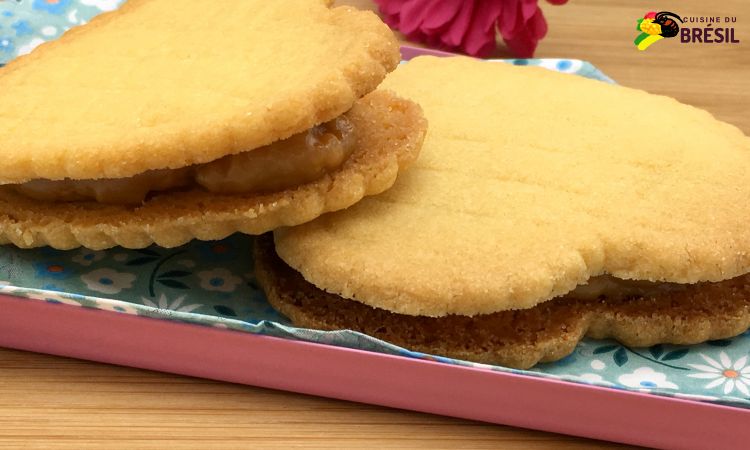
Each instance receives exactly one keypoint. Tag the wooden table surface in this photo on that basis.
(62, 403)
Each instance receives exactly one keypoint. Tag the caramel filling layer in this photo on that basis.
(616, 288)
(291, 162)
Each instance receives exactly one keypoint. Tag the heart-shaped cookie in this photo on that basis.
(169, 120)
(530, 183)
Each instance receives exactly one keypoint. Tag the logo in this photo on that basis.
(699, 30)
(655, 27)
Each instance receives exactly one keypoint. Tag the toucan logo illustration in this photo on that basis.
(655, 27)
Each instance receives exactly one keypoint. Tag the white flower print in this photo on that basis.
(593, 378)
(108, 281)
(699, 397)
(31, 45)
(73, 16)
(731, 374)
(175, 305)
(49, 31)
(103, 5)
(598, 364)
(221, 280)
(54, 297)
(117, 306)
(646, 377)
(86, 257)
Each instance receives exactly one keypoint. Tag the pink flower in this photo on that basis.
(469, 25)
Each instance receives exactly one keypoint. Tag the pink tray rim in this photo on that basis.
(408, 52)
(361, 376)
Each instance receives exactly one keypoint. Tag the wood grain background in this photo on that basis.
(50, 402)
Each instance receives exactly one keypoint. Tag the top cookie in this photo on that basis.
(166, 84)
(530, 182)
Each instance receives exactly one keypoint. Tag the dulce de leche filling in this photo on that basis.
(291, 162)
(617, 288)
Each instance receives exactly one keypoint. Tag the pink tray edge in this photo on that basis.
(408, 52)
(368, 377)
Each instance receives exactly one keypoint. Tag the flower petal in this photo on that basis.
(715, 383)
(729, 387)
(412, 15)
(177, 302)
(441, 15)
(529, 8)
(390, 7)
(740, 363)
(488, 13)
(725, 361)
(189, 308)
(705, 368)
(508, 18)
(454, 35)
(705, 375)
(712, 362)
(390, 11)
(536, 25)
(523, 37)
(163, 302)
(742, 388)
(480, 39)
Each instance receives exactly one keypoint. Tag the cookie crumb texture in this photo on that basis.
(520, 338)
(529, 183)
(389, 136)
(169, 83)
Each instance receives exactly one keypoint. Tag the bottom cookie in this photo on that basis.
(518, 338)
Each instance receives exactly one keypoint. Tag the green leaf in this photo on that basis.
(675, 354)
(147, 252)
(640, 38)
(656, 351)
(605, 349)
(173, 284)
(175, 274)
(621, 357)
(225, 310)
(720, 342)
(141, 261)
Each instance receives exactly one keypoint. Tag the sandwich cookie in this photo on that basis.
(544, 207)
(133, 129)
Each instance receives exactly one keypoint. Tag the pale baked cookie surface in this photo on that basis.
(389, 134)
(170, 83)
(529, 183)
(521, 338)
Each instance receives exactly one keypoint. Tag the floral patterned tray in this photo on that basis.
(212, 283)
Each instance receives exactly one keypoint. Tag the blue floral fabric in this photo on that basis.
(212, 283)
(24, 24)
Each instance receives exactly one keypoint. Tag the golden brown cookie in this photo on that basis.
(529, 183)
(520, 338)
(389, 135)
(171, 83)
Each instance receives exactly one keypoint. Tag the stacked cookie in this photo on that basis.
(544, 207)
(148, 125)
